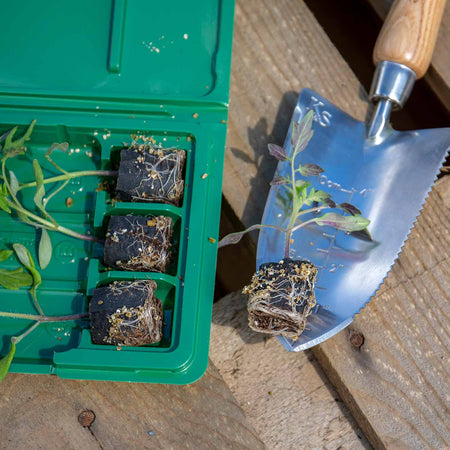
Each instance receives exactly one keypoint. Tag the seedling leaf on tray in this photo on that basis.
(45, 249)
(40, 189)
(13, 183)
(6, 361)
(5, 254)
(15, 279)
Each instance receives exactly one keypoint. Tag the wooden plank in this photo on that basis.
(438, 75)
(279, 49)
(285, 396)
(42, 411)
(397, 382)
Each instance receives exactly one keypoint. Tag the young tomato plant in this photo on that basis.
(281, 294)
(299, 193)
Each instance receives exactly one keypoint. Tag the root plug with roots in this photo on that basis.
(151, 174)
(139, 244)
(126, 313)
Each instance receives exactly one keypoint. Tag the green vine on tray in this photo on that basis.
(15, 279)
(11, 187)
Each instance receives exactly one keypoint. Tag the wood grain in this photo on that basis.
(397, 383)
(397, 393)
(40, 412)
(409, 34)
(285, 396)
(438, 75)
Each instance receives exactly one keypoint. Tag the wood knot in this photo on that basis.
(86, 418)
(357, 340)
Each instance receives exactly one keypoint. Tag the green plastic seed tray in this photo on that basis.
(92, 74)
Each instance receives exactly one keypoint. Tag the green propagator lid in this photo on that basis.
(135, 50)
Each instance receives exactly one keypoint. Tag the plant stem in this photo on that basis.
(295, 208)
(35, 300)
(70, 175)
(5, 179)
(310, 210)
(17, 339)
(50, 226)
(240, 234)
(303, 224)
(41, 318)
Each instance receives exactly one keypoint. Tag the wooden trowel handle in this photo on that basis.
(409, 34)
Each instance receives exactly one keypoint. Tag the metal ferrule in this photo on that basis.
(392, 84)
(392, 81)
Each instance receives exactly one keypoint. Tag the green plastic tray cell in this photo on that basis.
(138, 67)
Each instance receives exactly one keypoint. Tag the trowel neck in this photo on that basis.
(391, 87)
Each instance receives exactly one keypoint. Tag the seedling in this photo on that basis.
(151, 174)
(281, 294)
(126, 313)
(14, 279)
(138, 244)
(10, 188)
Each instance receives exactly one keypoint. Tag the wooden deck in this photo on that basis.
(391, 392)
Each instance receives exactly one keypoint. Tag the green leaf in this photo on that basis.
(302, 133)
(27, 260)
(278, 152)
(344, 223)
(278, 181)
(349, 208)
(45, 249)
(310, 169)
(317, 196)
(15, 279)
(6, 361)
(5, 254)
(64, 146)
(18, 146)
(13, 183)
(24, 256)
(8, 141)
(301, 193)
(4, 205)
(40, 188)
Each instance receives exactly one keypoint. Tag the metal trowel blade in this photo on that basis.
(387, 181)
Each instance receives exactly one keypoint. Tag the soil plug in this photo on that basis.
(281, 296)
(126, 313)
(151, 174)
(140, 244)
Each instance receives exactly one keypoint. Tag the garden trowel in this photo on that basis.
(385, 173)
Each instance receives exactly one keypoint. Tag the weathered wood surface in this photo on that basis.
(400, 372)
(438, 76)
(41, 412)
(398, 383)
(285, 396)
